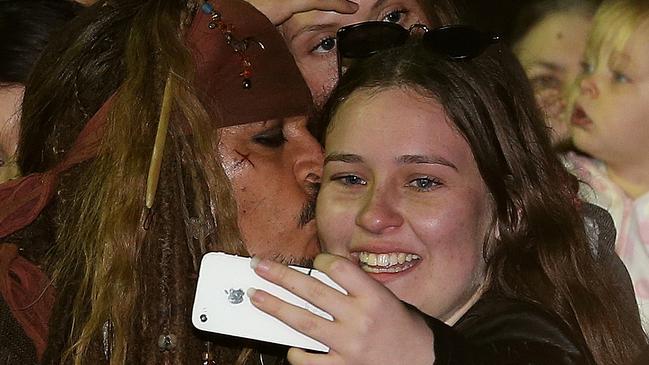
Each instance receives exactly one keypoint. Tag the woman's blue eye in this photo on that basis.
(325, 45)
(423, 183)
(349, 180)
(395, 16)
(353, 180)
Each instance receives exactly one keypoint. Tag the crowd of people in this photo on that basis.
(474, 197)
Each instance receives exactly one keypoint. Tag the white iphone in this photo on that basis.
(221, 304)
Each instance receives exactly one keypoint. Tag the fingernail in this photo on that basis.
(251, 294)
(353, 5)
(259, 265)
(254, 262)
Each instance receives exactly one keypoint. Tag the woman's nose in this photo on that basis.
(379, 213)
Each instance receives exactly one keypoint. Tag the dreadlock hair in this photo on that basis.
(120, 286)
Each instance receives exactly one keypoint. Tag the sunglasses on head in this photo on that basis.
(457, 42)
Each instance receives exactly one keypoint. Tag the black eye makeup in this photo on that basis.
(271, 137)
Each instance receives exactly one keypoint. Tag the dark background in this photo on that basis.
(492, 15)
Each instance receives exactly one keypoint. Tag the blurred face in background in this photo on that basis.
(551, 53)
(611, 115)
(11, 97)
(311, 37)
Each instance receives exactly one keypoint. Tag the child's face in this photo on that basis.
(611, 116)
(402, 196)
(10, 103)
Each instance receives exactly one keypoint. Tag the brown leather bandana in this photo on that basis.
(276, 91)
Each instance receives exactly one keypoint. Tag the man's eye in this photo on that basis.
(325, 45)
(395, 16)
(272, 138)
(424, 183)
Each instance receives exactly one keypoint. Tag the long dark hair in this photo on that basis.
(119, 286)
(25, 28)
(538, 250)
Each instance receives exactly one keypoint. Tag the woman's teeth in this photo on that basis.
(386, 262)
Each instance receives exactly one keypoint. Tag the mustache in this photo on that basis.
(293, 260)
(308, 209)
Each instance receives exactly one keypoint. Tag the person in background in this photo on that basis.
(610, 125)
(25, 28)
(462, 210)
(311, 36)
(549, 38)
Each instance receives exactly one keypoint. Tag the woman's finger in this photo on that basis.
(341, 270)
(297, 356)
(304, 286)
(295, 317)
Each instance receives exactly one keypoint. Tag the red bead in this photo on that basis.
(246, 73)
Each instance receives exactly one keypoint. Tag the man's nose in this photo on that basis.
(379, 213)
(308, 164)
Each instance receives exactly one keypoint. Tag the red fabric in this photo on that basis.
(278, 89)
(28, 293)
(23, 199)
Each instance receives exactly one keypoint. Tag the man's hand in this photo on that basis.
(279, 11)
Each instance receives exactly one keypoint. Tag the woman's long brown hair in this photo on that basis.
(538, 250)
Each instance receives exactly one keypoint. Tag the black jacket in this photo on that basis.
(497, 331)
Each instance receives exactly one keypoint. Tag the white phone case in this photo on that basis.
(221, 304)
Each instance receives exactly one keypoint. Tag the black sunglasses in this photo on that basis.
(457, 42)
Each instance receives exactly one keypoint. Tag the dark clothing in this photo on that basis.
(15, 346)
(499, 331)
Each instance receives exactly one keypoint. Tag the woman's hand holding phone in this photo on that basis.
(370, 325)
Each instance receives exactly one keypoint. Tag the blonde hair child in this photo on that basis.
(610, 125)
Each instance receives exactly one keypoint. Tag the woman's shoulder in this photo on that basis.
(497, 330)
(495, 319)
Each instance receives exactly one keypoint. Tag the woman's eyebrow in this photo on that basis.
(424, 159)
(343, 157)
(313, 28)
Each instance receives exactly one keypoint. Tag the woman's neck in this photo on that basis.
(633, 179)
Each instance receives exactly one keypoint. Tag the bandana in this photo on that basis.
(276, 90)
